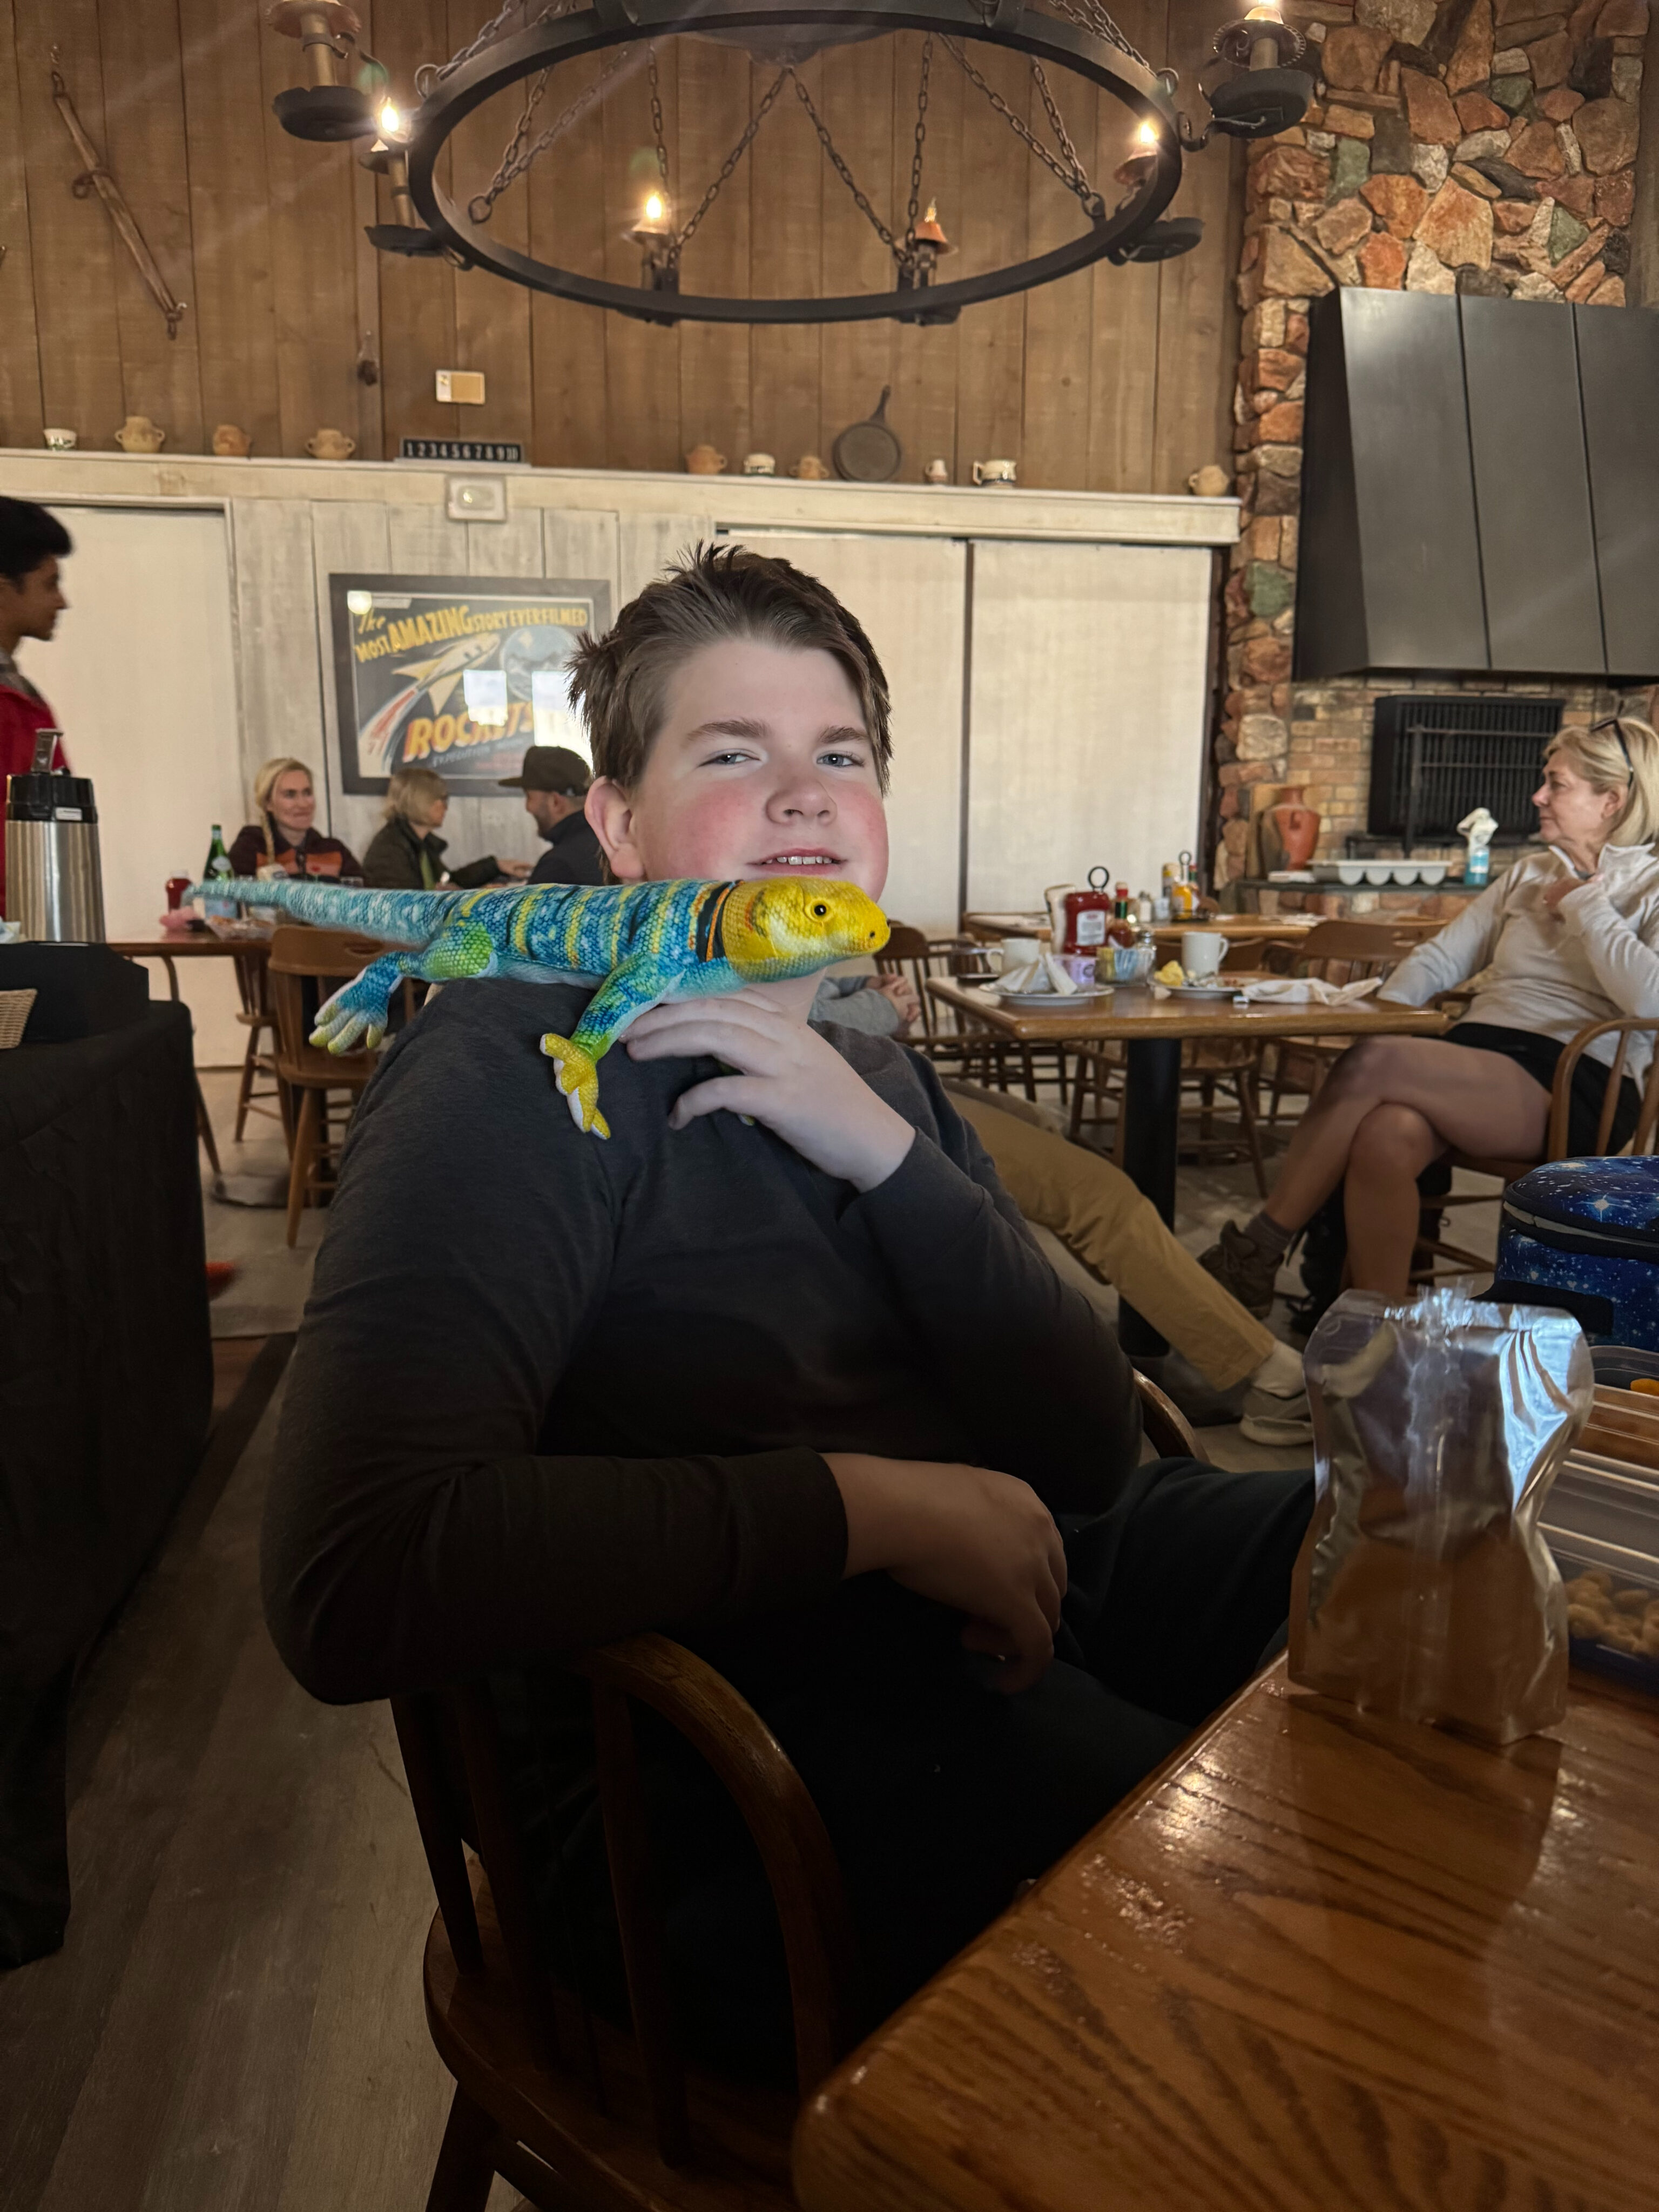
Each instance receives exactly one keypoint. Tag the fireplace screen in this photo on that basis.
(1434, 760)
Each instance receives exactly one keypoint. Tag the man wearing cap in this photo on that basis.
(554, 781)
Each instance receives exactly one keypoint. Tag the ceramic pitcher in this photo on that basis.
(138, 435)
(331, 445)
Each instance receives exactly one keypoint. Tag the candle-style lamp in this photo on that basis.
(1269, 93)
(327, 107)
(654, 234)
(388, 157)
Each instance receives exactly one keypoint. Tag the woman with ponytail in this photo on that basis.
(1567, 937)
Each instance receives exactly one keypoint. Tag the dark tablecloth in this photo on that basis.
(106, 1391)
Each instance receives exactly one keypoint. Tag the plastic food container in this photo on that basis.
(1600, 1520)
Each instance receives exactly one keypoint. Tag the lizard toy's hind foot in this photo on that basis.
(578, 1078)
(350, 1017)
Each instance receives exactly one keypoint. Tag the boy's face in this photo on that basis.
(762, 768)
(30, 607)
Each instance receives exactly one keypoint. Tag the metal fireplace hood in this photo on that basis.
(1481, 488)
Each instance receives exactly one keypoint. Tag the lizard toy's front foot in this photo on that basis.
(350, 1016)
(578, 1078)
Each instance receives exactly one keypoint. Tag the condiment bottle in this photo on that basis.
(1123, 931)
(1087, 914)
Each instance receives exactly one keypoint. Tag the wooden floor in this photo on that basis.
(235, 2023)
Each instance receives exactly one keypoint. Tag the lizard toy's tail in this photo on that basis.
(396, 917)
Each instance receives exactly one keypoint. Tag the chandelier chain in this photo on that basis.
(1057, 124)
(1089, 16)
(832, 155)
(729, 164)
(519, 156)
(656, 116)
(1076, 182)
(921, 140)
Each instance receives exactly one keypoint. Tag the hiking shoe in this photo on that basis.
(1270, 1420)
(1239, 1265)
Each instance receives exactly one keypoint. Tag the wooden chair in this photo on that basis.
(1507, 1171)
(321, 1081)
(572, 2112)
(1336, 952)
(257, 1017)
(977, 1053)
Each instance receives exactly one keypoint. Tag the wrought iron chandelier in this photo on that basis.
(526, 45)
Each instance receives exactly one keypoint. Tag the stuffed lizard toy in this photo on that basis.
(641, 942)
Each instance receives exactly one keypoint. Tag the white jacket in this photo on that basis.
(1596, 958)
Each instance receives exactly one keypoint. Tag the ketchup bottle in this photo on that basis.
(1087, 914)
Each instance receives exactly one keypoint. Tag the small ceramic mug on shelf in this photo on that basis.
(996, 472)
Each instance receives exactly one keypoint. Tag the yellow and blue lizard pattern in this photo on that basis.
(641, 942)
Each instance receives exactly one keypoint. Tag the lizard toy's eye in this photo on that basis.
(820, 911)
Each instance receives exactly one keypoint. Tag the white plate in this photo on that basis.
(1049, 1002)
(1203, 990)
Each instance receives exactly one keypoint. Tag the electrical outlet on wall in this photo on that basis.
(461, 387)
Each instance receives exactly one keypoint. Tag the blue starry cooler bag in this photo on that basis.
(1584, 1235)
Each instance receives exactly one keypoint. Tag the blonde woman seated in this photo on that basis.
(1566, 939)
(285, 836)
(408, 854)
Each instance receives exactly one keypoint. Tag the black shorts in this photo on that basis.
(1539, 1056)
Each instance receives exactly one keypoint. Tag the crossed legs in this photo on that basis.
(1391, 1106)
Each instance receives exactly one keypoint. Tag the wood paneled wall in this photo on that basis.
(1115, 379)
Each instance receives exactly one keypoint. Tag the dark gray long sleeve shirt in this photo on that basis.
(551, 1390)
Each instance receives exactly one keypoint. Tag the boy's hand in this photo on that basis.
(979, 1541)
(788, 1077)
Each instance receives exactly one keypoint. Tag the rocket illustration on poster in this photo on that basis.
(456, 673)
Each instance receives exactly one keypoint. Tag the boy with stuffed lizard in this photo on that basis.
(777, 1370)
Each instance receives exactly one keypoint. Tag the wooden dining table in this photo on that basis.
(1318, 1962)
(168, 946)
(1153, 1030)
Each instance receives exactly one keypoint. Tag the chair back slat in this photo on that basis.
(789, 1832)
(1348, 952)
(1624, 1028)
(439, 1818)
(638, 1922)
(503, 1853)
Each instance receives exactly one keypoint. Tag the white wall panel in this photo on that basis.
(1087, 715)
(141, 675)
(908, 592)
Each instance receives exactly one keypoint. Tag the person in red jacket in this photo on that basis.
(33, 541)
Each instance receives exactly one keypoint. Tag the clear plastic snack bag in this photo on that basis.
(1423, 1588)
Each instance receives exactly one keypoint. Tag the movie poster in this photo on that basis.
(456, 673)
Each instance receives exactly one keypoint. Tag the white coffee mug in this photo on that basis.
(759, 465)
(59, 442)
(1202, 952)
(1018, 952)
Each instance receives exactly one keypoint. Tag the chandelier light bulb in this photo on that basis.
(1264, 12)
(1147, 135)
(390, 123)
(655, 207)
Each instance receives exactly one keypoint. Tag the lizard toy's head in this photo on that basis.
(790, 927)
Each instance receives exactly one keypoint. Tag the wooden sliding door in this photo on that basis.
(1087, 709)
(909, 593)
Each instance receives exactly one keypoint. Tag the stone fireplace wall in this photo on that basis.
(1483, 146)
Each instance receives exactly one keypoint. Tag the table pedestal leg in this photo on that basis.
(1151, 1105)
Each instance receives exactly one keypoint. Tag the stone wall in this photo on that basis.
(1483, 146)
